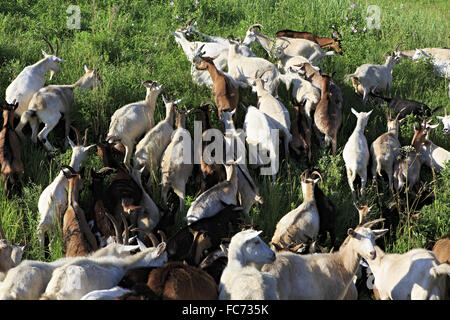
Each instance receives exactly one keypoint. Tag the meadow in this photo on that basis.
(130, 41)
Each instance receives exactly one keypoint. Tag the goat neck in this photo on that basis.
(181, 120)
(308, 191)
(170, 113)
(75, 185)
(325, 87)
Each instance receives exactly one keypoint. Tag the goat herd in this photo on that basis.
(123, 252)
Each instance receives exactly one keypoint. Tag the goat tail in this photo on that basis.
(436, 109)
(379, 167)
(440, 270)
(259, 199)
(381, 97)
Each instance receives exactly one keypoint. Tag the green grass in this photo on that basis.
(129, 41)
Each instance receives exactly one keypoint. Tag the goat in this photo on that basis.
(286, 61)
(108, 294)
(297, 47)
(385, 151)
(151, 147)
(333, 42)
(414, 275)
(301, 224)
(134, 119)
(274, 109)
(211, 173)
(32, 78)
(301, 134)
(243, 69)
(430, 154)
(53, 200)
(77, 237)
(186, 244)
(28, 280)
(48, 105)
(215, 199)
(241, 279)
(440, 59)
(179, 281)
(177, 162)
(404, 107)
(248, 191)
(226, 95)
(303, 91)
(327, 116)
(10, 255)
(356, 152)
(446, 122)
(215, 262)
(373, 77)
(324, 276)
(407, 169)
(261, 133)
(441, 249)
(12, 168)
(76, 278)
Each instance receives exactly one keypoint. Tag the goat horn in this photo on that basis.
(125, 228)
(369, 224)
(256, 25)
(163, 236)
(304, 174)
(72, 170)
(57, 47)
(52, 51)
(153, 238)
(85, 137)
(77, 133)
(397, 45)
(318, 173)
(116, 227)
(188, 23)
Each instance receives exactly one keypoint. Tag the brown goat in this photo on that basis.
(179, 281)
(77, 236)
(10, 153)
(328, 116)
(211, 174)
(226, 95)
(441, 249)
(324, 42)
(301, 135)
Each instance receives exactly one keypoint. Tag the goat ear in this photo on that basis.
(141, 245)
(71, 143)
(87, 148)
(379, 232)
(354, 112)
(368, 113)
(351, 232)
(433, 126)
(44, 53)
(440, 118)
(86, 69)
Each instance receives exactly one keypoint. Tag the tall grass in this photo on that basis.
(129, 41)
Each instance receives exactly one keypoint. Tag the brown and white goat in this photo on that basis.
(432, 155)
(10, 153)
(333, 42)
(328, 116)
(226, 95)
(77, 236)
(441, 249)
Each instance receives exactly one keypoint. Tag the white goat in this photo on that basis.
(177, 162)
(79, 277)
(356, 152)
(286, 61)
(414, 275)
(50, 103)
(29, 279)
(245, 69)
(151, 147)
(248, 191)
(133, 120)
(275, 110)
(385, 150)
(300, 225)
(10, 255)
(216, 198)
(53, 200)
(261, 135)
(324, 276)
(106, 294)
(31, 79)
(445, 122)
(241, 279)
(439, 58)
(292, 46)
(374, 77)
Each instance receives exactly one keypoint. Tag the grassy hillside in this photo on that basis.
(129, 41)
